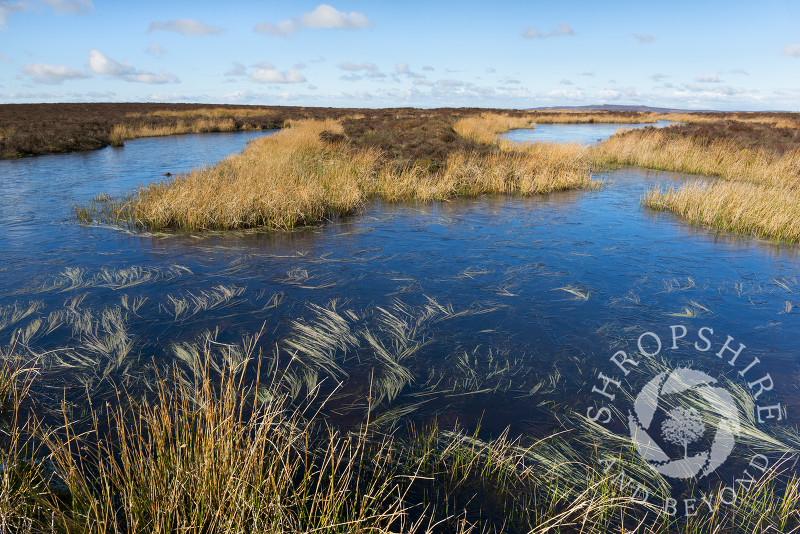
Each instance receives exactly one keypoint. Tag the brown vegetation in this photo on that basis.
(671, 150)
(312, 171)
(758, 159)
(735, 207)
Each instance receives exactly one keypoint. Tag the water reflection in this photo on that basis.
(551, 283)
(585, 134)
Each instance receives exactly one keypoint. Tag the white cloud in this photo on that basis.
(324, 16)
(428, 67)
(272, 75)
(566, 82)
(9, 8)
(644, 38)
(563, 29)
(716, 91)
(792, 50)
(657, 77)
(708, 78)
(52, 74)
(155, 50)
(4, 58)
(172, 97)
(350, 66)
(237, 70)
(185, 27)
(370, 70)
(70, 6)
(283, 28)
(401, 67)
(102, 64)
(25, 95)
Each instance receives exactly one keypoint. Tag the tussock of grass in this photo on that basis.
(591, 117)
(762, 173)
(658, 149)
(121, 132)
(736, 207)
(212, 457)
(218, 447)
(285, 180)
(295, 177)
(488, 126)
(530, 170)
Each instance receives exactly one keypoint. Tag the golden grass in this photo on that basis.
(216, 450)
(760, 194)
(294, 178)
(222, 457)
(486, 127)
(742, 208)
(656, 149)
(589, 117)
(282, 181)
(122, 132)
(529, 170)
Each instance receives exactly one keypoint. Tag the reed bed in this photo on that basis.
(758, 189)
(735, 207)
(299, 177)
(122, 132)
(486, 127)
(530, 170)
(590, 117)
(212, 435)
(657, 149)
(282, 181)
(221, 450)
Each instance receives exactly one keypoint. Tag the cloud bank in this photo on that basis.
(324, 16)
(100, 63)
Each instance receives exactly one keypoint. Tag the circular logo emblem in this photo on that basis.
(678, 408)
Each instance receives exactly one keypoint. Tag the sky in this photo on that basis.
(724, 55)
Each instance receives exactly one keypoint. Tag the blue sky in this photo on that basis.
(695, 55)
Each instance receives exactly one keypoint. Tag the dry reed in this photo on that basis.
(281, 181)
(657, 149)
(486, 127)
(294, 178)
(122, 132)
(736, 207)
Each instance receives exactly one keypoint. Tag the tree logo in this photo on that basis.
(679, 407)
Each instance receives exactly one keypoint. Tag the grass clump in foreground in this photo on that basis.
(218, 449)
(309, 172)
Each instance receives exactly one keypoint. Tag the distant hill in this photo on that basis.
(622, 107)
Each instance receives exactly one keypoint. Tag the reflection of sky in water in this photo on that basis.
(585, 134)
(571, 273)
